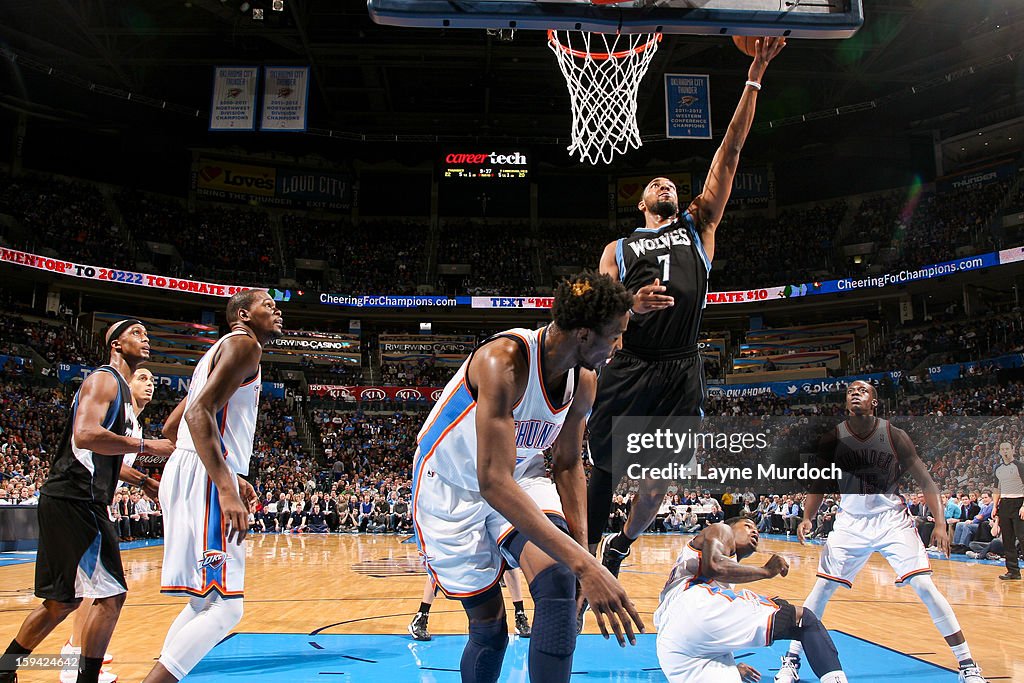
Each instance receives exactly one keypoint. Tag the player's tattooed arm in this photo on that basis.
(567, 462)
(708, 207)
(716, 561)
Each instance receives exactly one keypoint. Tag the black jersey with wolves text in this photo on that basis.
(674, 254)
(80, 474)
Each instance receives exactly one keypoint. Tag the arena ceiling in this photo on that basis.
(380, 81)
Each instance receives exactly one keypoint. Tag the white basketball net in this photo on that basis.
(603, 72)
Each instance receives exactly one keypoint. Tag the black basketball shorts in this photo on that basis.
(79, 556)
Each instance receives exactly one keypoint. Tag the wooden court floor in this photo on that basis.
(372, 584)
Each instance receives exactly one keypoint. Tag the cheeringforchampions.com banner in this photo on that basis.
(72, 269)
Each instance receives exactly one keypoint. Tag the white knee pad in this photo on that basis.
(938, 606)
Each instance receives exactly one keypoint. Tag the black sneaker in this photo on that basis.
(610, 557)
(1010, 576)
(418, 627)
(522, 625)
(581, 617)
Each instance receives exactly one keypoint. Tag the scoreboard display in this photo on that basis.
(509, 165)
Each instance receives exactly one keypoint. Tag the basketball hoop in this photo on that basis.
(603, 72)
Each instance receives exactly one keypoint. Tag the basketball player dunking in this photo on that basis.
(481, 499)
(874, 517)
(702, 619)
(79, 555)
(659, 372)
(206, 500)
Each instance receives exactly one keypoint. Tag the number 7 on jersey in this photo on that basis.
(663, 260)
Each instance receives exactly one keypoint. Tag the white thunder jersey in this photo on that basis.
(448, 438)
(872, 470)
(236, 421)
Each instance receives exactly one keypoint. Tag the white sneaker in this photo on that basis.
(973, 555)
(789, 672)
(71, 676)
(971, 674)
(70, 649)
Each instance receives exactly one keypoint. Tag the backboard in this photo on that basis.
(793, 18)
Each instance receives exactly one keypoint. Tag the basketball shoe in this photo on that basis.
(971, 674)
(522, 625)
(418, 627)
(789, 672)
(610, 557)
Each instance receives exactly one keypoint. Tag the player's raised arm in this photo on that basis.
(716, 561)
(238, 359)
(567, 460)
(907, 454)
(708, 207)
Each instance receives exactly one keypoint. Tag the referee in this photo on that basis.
(1009, 497)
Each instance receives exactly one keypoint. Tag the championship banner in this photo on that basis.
(285, 98)
(234, 98)
(362, 393)
(630, 190)
(219, 179)
(125, 277)
(688, 106)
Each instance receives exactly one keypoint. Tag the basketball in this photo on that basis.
(746, 44)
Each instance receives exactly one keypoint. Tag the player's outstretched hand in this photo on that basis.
(608, 599)
(161, 447)
(748, 674)
(650, 298)
(940, 539)
(777, 566)
(803, 531)
(234, 515)
(765, 50)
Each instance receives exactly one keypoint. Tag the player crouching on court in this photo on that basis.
(702, 619)
(481, 499)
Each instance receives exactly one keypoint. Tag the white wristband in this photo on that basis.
(754, 84)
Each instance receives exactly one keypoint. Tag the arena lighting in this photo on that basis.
(277, 5)
(244, 7)
(257, 14)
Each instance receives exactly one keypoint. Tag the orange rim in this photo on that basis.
(580, 54)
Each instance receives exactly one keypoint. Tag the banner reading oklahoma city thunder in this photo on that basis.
(687, 106)
(234, 98)
(285, 93)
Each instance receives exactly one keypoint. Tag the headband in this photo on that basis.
(118, 328)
